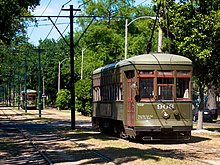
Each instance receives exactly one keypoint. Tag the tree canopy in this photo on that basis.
(190, 28)
(11, 22)
(193, 29)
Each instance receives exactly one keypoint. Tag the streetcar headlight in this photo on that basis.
(165, 114)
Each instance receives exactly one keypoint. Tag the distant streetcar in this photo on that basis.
(31, 99)
(146, 96)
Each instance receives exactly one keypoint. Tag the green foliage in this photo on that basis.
(104, 43)
(194, 30)
(10, 11)
(84, 96)
(63, 99)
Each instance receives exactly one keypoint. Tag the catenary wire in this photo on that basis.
(74, 14)
(84, 4)
(41, 15)
(57, 18)
(142, 2)
(49, 24)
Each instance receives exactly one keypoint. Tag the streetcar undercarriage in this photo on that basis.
(146, 133)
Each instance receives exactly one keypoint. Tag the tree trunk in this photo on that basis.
(211, 102)
(201, 106)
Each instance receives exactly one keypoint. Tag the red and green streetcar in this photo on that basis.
(31, 99)
(146, 96)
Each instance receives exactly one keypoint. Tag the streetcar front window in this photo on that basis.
(146, 87)
(165, 92)
(165, 85)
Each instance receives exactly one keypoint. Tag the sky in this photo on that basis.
(45, 29)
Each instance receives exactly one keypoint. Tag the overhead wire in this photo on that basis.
(57, 18)
(73, 14)
(149, 45)
(142, 2)
(49, 24)
(39, 18)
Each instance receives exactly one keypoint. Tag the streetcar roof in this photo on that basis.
(152, 58)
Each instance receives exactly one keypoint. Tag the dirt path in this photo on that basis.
(203, 148)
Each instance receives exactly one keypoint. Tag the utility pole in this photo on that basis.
(19, 91)
(25, 85)
(72, 86)
(39, 83)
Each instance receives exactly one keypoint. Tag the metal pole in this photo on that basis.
(82, 63)
(159, 40)
(72, 87)
(126, 38)
(19, 91)
(58, 77)
(58, 90)
(72, 102)
(126, 33)
(25, 85)
(39, 83)
(59, 72)
(44, 98)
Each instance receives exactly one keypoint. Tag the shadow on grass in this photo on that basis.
(87, 156)
(84, 155)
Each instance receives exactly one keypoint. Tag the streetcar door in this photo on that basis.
(130, 98)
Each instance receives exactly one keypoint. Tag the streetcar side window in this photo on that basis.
(96, 89)
(182, 88)
(146, 84)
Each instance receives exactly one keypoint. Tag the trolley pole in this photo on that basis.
(72, 86)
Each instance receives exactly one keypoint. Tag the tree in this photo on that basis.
(10, 22)
(63, 99)
(106, 34)
(84, 96)
(193, 27)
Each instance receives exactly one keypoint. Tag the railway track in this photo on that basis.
(60, 144)
(16, 133)
(52, 146)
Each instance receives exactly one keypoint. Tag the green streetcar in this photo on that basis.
(146, 96)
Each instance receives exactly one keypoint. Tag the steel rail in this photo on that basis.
(29, 139)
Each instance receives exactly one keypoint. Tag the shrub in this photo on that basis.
(63, 99)
(84, 97)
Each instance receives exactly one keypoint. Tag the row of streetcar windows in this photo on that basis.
(108, 92)
(152, 85)
(107, 87)
(162, 84)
